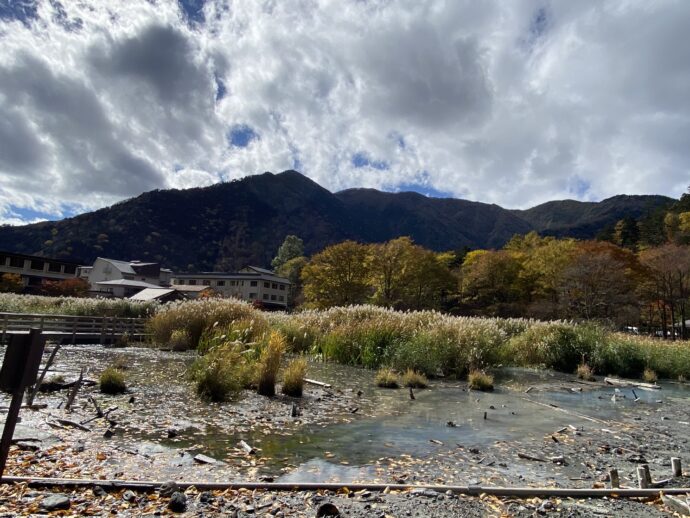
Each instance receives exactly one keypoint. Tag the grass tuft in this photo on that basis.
(480, 380)
(112, 381)
(414, 379)
(649, 376)
(387, 378)
(584, 372)
(293, 377)
(219, 375)
(269, 363)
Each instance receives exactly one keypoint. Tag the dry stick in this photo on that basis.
(73, 394)
(248, 449)
(317, 383)
(676, 505)
(149, 485)
(103, 414)
(34, 391)
(569, 412)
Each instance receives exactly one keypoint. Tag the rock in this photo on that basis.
(168, 488)
(178, 502)
(56, 502)
(98, 491)
(430, 493)
(327, 509)
(206, 497)
(129, 496)
(27, 446)
(108, 433)
(172, 433)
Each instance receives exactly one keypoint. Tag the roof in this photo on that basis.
(40, 258)
(260, 270)
(185, 287)
(152, 293)
(128, 283)
(130, 267)
(235, 275)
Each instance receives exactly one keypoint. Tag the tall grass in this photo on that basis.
(15, 303)
(195, 317)
(220, 374)
(269, 363)
(293, 377)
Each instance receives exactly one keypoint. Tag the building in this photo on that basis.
(158, 294)
(34, 269)
(251, 283)
(110, 277)
(196, 292)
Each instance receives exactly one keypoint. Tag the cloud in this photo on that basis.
(506, 102)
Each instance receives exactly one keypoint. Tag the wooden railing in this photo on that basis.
(102, 328)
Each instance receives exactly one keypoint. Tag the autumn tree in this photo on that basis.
(292, 270)
(389, 267)
(11, 283)
(67, 288)
(337, 276)
(489, 280)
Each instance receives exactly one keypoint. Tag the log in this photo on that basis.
(524, 492)
(642, 481)
(317, 383)
(203, 459)
(676, 505)
(620, 382)
(248, 449)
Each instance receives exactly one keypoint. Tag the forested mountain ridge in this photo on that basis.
(228, 225)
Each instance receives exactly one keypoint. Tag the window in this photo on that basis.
(220, 283)
(37, 265)
(206, 282)
(273, 297)
(282, 287)
(252, 295)
(265, 296)
(274, 286)
(281, 298)
(254, 283)
(192, 282)
(54, 267)
(266, 284)
(3, 260)
(70, 268)
(16, 262)
(180, 282)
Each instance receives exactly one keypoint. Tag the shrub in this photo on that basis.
(480, 380)
(293, 377)
(414, 379)
(180, 340)
(649, 376)
(387, 378)
(221, 374)
(269, 363)
(619, 355)
(112, 381)
(584, 372)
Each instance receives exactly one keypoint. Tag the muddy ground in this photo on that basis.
(578, 452)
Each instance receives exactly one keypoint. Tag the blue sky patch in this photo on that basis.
(426, 190)
(28, 214)
(241, 135)
(220, 88)
(193, 10)
(578, 186)
(362, 160)
(22, 10)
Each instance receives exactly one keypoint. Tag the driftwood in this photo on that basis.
(203, 459)
(676, 505)
(248, 449)
(317, 383)
(39, 382)
(74, 424)
(526, 456)
(100, 413)
(75, 390)
(569, 412)
(620, 382)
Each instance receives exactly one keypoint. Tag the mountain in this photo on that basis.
(584, 220)
(229, 225)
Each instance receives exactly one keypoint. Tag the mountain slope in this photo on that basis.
(229, 225)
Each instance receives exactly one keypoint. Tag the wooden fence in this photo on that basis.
(73, 328)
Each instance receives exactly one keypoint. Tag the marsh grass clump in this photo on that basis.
(387, 378)
(414, 379)
(180, 340)
(221, 374)
(293, 377)
(480, 380)
(112, 381)
(649, 376)
(17, 303)
(268, 364)
(585, 372)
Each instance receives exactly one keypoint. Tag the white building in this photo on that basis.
(109, 277)
(251, 283)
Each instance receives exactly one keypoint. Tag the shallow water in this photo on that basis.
(387, 424)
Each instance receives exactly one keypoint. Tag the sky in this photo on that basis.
(510, 102)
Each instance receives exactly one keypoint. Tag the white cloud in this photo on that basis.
(505, 102)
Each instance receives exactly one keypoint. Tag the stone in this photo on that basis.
(98, 491)
(206, 497)
(129, 496)
(56, 502)
(178, 502)
(168, 488)
(327, 509)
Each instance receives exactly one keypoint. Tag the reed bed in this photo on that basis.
(16, 303)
